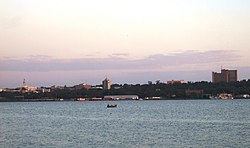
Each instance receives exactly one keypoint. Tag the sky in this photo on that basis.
(68, 42)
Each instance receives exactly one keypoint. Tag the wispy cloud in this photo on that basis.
(120, 54)
(117, 61)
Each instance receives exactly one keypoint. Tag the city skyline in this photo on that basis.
(106, 83)
(71, 42)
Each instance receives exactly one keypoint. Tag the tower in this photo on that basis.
(106, 84)
(24, 83)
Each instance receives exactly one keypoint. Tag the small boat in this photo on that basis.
(111, 105)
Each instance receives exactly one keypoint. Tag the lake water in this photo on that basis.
(173, 123)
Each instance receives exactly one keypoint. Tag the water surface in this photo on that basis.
(175, 123)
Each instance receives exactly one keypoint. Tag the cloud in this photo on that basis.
(117, 61)
(39, 57)
(120, 54)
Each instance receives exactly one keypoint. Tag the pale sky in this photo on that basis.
(57, 42)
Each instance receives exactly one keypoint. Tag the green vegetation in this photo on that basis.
(197, 90)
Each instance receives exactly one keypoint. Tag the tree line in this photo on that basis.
(190, 90)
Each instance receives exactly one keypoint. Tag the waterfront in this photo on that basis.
(168, 123)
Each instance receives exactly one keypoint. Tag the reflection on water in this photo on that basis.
(193, 123)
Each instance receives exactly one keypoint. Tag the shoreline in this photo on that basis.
(59, 100)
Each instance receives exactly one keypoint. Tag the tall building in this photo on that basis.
(106, 84)
(225, 76)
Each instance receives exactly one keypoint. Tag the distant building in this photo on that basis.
(12, 90)
(27, 88)
(82, 86)
(176, 82)
(106, 84)
(225, 76)
(121, 97)
(44, 89)
(97, 87)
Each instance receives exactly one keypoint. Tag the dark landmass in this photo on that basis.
(160, 91)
